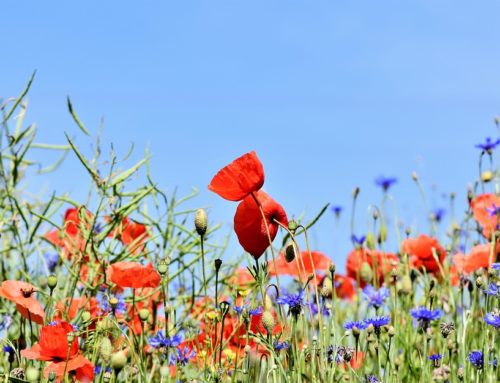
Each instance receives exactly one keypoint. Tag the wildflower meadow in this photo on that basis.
(131, 285)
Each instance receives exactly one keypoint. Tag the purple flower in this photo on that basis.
(438, 214)
(385, 182)
(337, 209)
(371, 379)
(476, 358)
(358, 240)
(359, 325)
(52, 260)
(324, 310)
(159, 340)
(378, 322)
(183, 356)
(435, 357)
(8, 349)
(105, 306)
(424, 316)
(255, 311)
(489, 145)
(295, 302)
(375, 297)
(492, 289)
(278, 346)
(494, 210)
(496, 266)
(493, 319)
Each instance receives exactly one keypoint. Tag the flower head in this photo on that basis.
(337, 209)
(183, 356)
(133, 274)
(488, 145)
(476, 358)
(424, 316)
(349, 325)
(22, 294)
(425, 252)
(378, 322)
(493, 319)
(385, 182)
(492, 289)
(278, 346)
(435, 357)
(159, 340)
(295, 302)
(375, 297)
(241, 177)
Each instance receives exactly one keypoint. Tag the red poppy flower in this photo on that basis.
(421, 251)
(70, 239)
(480, 256)
(133, 274)
(382, 262)
(241, 278)
(21, 293)
(240, 178)
(250, 227)
(54, 347)
(302, 261)
(131, 233)
(484, 208)
(344, 287)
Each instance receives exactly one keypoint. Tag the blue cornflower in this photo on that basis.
(255, 311)
(8, 349)
(489, 145)
(358, 240)
(371, 379)
(495, 266)
(385, 182)
(375, 297)
(493, 211)
(425, 316)
(98, 369)
(105, 306)
(438, 214)
(435, 357)
(337, 209)
(51, 259)
(278, 346)
(378, 322)
(493, 319)
(476, 358)
(359, 325)
(295, 302)
(324, 310)
(5, 324)
(183, 356)
(492, 289)
(159, 340)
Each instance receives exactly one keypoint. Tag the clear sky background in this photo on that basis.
(330, 94)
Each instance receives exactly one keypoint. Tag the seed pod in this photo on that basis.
(118, 360)
(366, 272)
(292, 225)
(105, 349)
(290, 252)
(32, 374)
(52, 281)
(144, 315)
(268, 321)
(327, 288)
(162, 267)
(486, 176)
(200, 222)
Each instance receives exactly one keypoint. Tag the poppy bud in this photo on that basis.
(414, 176)
(487, 176)
(327, 288)
(144, 315)
(375, 214)
(164, 371)
(290, 252)
(355, 192)
(293, 225)
(391, 331)
(32, 374)
(479, 282)
(200, 222)
(366, 272)
(52, 376)
(162, 267)
(370, 240)
(118, 360)
(52, 281)
(71, 337)
(382, 235)
(355, 331)
(408, 231)
(218, 264)
(268, 321)
(86, 316)
(332, 268)
(105, 349)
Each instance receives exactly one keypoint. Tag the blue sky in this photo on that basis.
(329, 94)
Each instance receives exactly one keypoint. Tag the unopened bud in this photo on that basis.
(486, 176)
(144, 315)
(355, 192)
(218, 264)
(52, 281)
(32, 374)
(268, 321)
(293, 225)
(290, 252)
(327, 288)
(479, 282)
(113, 302)
(86, 316)
(118, 360)
(414, 176)
(105, 349)
(200, 222)
(52, 376)
(366, 272)
(162, 267)
(370, 240)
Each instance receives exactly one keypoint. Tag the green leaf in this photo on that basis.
(19, 99)
(127, 173)
(76, 118)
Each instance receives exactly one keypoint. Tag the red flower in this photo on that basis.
(132, 234)
(421, 251)
(240, 178)
(250, 227)
(54, 347)
(382, 262)
(70, 239)
(479, 257)
(21, 293)
(484, 208)
(133, 274)
(344, 287)
(302, 261)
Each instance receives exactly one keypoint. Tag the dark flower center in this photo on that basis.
(27, 292)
